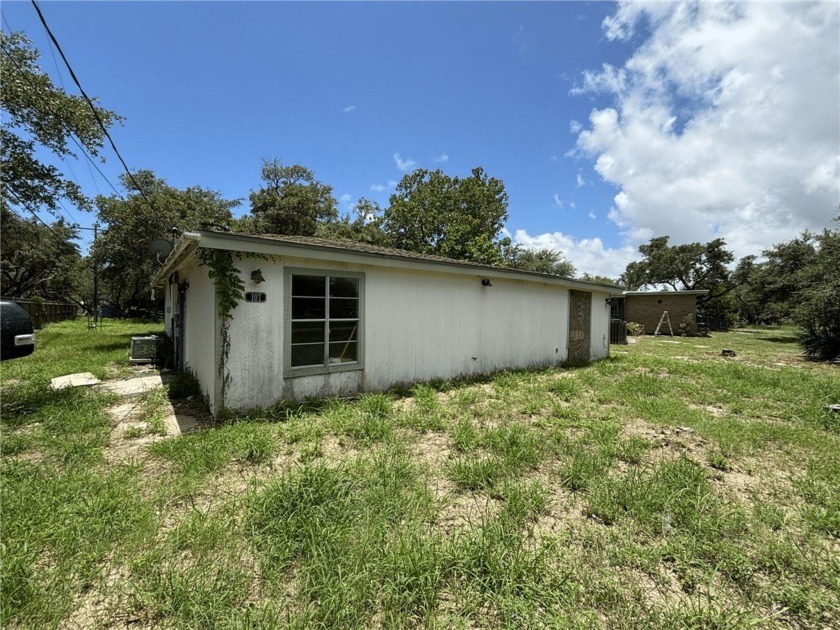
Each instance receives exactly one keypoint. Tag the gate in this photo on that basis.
(618, 332)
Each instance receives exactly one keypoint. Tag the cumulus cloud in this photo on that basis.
(724, 121)
(346, 198)
(350, 108)
(441, 158)
(589, 255)
(377, 187)
(404, 165)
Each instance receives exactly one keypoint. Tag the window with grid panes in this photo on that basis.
(325, 321)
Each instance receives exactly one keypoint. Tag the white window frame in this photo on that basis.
(326, 368)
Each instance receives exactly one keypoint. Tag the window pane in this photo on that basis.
(309, 285)
(307, 354)
(307, 332)
(343, 352)
(344, 287)
(344, 308)
(344, 331)
(308, 308)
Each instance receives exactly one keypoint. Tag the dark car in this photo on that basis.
(17, 336)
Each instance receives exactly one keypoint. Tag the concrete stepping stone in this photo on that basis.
(80, 379)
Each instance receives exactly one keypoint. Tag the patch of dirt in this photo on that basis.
(717, 412)
(669, 442)
(338, 450)
(564, 512)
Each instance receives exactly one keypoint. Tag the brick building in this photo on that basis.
(646, 308)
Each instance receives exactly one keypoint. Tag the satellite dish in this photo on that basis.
(160, 248)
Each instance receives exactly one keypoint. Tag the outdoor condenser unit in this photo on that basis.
(145, 349)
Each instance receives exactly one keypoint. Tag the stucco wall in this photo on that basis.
(418, 326)
(647, 310)
(200, 334)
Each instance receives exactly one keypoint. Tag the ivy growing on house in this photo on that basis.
(229, 293)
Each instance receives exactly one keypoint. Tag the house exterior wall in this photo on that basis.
(200, 327)
(418, 325)
(647, 310)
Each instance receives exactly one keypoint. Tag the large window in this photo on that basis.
(324, 318)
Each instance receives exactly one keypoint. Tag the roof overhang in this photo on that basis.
(251, 244)
(661, 293)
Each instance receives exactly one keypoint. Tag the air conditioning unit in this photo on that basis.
(145, 349)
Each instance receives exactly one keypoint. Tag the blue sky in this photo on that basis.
(208, 89)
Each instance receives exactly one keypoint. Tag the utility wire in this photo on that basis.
(57, 117)
(94, 110)
(21, 203)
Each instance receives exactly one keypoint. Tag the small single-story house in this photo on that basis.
(321, 318)
(646, 308)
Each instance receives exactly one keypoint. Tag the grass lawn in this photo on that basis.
(665, 487)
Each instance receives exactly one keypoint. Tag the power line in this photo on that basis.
(21, 203)
(60, 120)
(94, 110)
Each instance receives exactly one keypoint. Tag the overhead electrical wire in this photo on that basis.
(95, 112)
(58, 118)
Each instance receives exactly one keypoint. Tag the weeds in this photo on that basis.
(588, 497)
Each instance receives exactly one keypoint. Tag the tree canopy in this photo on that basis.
(291, 201)
(682, 267)
(434, 213)
(35, 260)
(548, 261)
(38, 113)
(130, 224)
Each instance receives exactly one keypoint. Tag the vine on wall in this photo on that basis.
(229, 292)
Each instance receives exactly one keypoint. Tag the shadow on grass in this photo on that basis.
(779, 339)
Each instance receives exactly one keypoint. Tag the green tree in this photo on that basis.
(37, 261)
(817, 310)
(593, 277)
(682, 267)
(365, 226)
(130, 224)
(462, 218)
(291, 201)
(548, 261)
(38, 115)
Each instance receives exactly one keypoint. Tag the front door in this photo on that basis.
(580, 318)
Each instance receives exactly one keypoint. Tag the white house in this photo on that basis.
(322, 318)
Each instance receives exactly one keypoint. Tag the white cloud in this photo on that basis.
(346, 198)
(580, 182)
(589, 255)
(526, 41)
(557, 200)
(592, 215)
(572, 204)
(575, 127)
(724, 122)
(350, 108)
(392, 183)
(377, 187)
(554, 158)
(404, 165)
(441, 158)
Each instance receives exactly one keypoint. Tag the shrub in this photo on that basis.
(635, 329)
(818, 318)
(688, 327)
